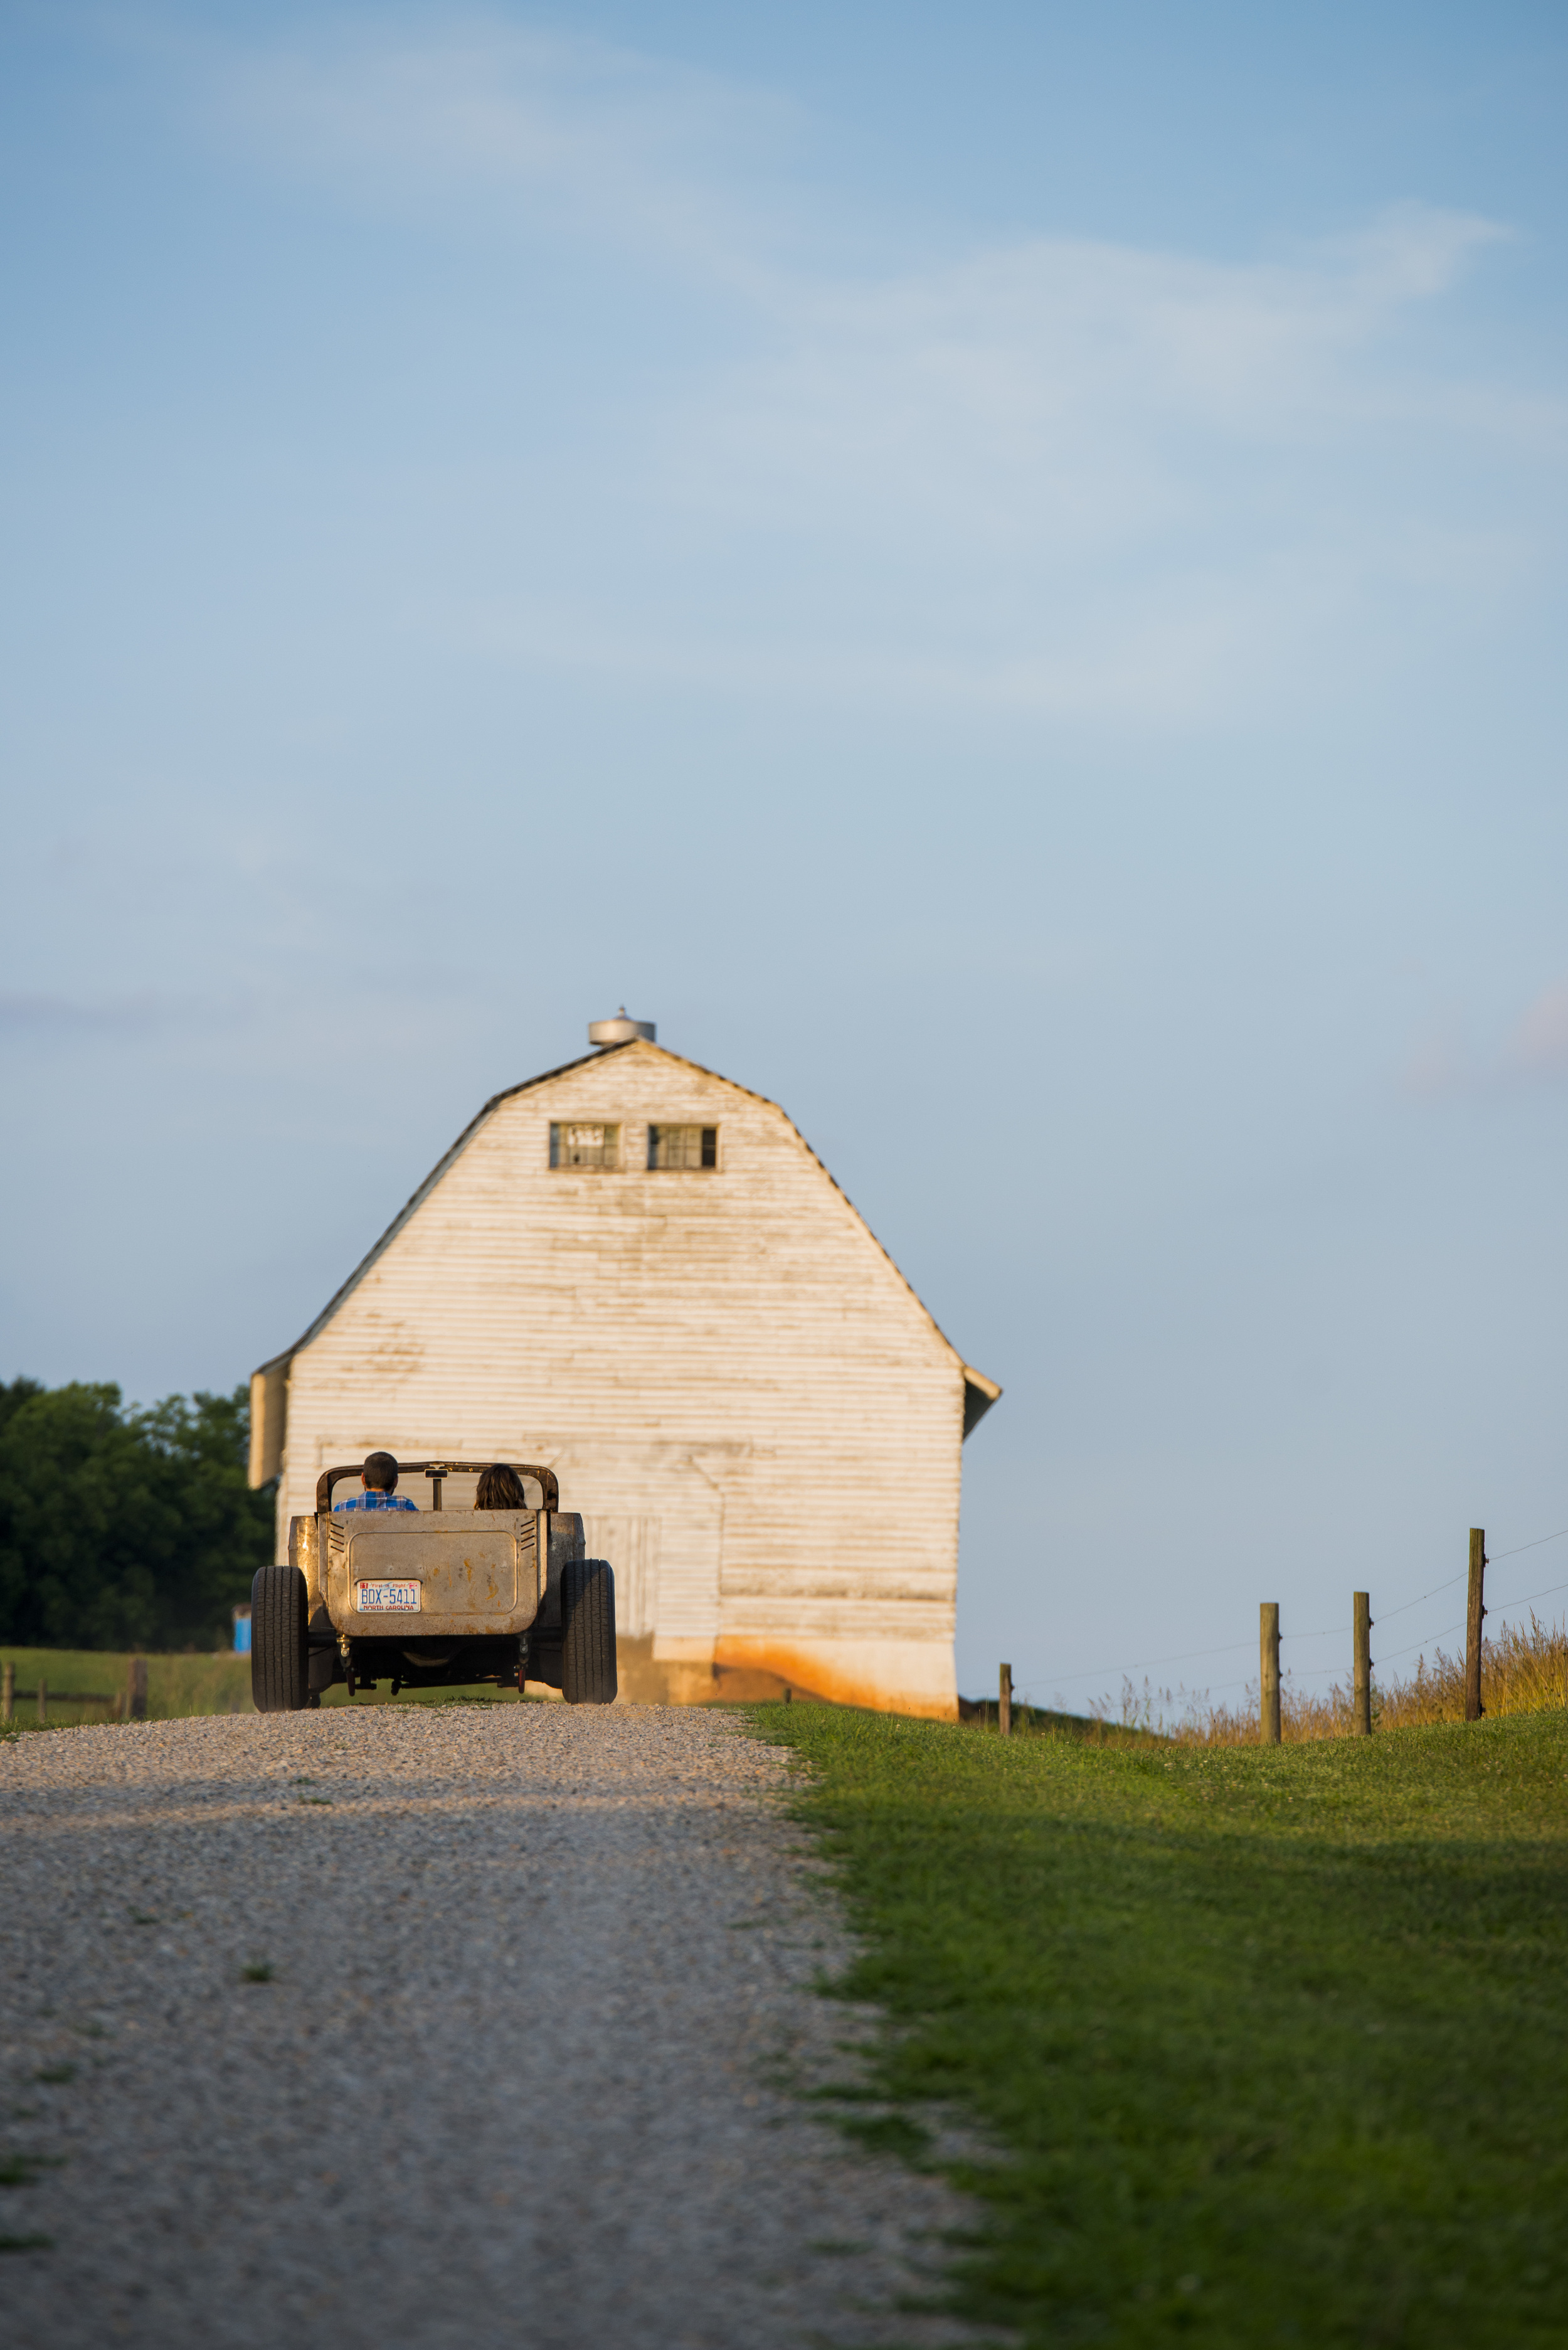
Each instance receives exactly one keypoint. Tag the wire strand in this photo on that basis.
(1504, 1605)
(1406, 1604)
(1500, 1610)
(1335, 1632)
(1419, 1644)
(1148, 1663)
(1523, 1546)
(1021, 1697)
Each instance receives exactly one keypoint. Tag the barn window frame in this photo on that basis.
(697, 1150)
(580, 1157)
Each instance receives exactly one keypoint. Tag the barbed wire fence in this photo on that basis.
(1025, 1685)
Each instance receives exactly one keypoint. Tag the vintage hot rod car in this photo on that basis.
(432, 1598)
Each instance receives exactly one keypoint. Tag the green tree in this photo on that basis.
(125, 1529)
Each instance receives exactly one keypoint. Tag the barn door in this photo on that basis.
(631, 1546)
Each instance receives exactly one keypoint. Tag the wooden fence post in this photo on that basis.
(1004, 1702)
(1360, 1612)
(7, 1690)
(137, 1709)
(1474, 1617)
(43, 1700)
(1269, 1672)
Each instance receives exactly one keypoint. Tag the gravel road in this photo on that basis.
(408, 2026)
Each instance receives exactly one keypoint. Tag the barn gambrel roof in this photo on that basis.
(980, 1392)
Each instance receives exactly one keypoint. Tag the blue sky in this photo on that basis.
(999, 572)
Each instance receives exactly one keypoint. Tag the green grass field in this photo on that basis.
(177, 1686)
(1273, 2042)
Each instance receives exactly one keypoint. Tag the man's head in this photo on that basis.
(380, 1474)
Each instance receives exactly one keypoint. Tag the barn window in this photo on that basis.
(683, 1145)
(585, 1146)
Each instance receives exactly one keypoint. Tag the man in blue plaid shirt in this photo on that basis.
(379, 1478)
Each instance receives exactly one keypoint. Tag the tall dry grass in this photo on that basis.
(1522, 1672)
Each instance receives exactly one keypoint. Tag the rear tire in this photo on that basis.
(280, 1667)
(588, 1632)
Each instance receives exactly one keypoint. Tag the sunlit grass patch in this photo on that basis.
(177, 1686)
(1275, 2039)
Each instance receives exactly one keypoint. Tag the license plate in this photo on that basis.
(387, 1598)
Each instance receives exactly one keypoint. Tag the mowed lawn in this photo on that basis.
(1274, 2041)
(83, 1684)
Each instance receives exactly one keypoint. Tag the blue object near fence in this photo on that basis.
(241, 1631)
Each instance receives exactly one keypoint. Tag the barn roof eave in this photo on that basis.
(980, 1392)
(417, 1199)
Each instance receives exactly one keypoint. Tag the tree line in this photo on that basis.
(124, 1527)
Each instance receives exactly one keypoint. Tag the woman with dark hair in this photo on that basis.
(500, 1488)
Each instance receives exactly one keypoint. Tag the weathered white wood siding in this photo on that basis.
(732, 1381)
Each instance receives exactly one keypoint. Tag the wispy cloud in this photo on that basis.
(1061, 474)
(36, 1015)
(1539, 1045)
(1533, 1050)
(531, 132)
(1070, 395)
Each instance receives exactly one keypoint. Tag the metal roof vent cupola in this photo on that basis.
(621, 1030)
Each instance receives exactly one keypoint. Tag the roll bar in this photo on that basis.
(435, 1471)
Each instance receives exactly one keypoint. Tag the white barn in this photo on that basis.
(639, 1274)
